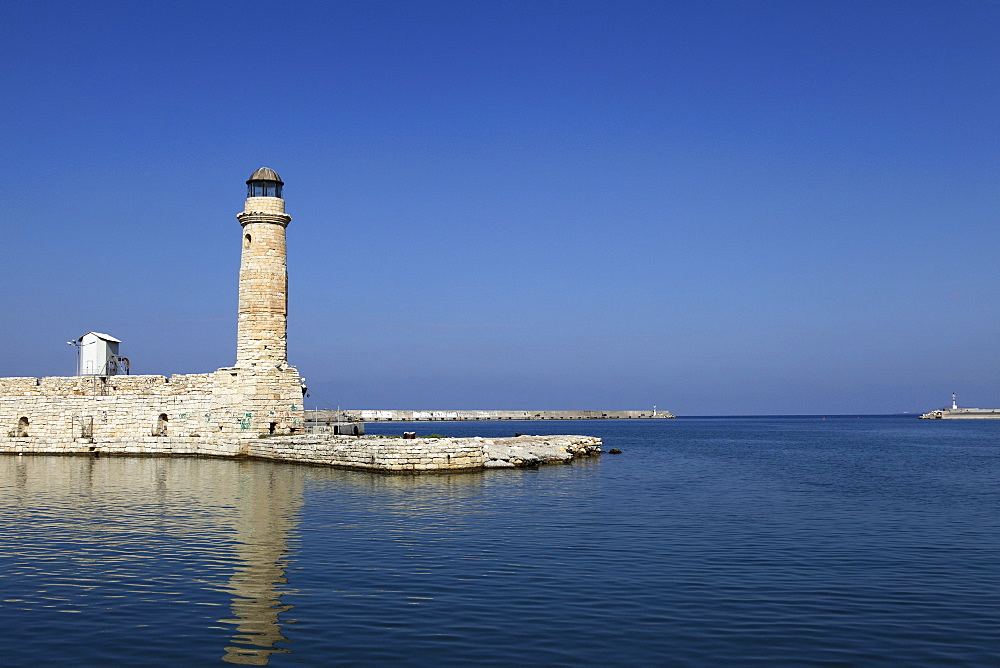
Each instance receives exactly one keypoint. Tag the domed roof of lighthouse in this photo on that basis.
(265, 174)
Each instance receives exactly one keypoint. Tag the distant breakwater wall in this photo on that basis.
(321, 416)
(963, 414)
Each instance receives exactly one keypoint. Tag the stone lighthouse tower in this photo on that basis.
(263, 312)
(262, 393)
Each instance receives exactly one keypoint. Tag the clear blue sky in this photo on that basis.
(716, 207)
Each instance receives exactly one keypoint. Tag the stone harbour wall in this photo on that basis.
(226, 405)
(364, 453)
(233, 412)
(161, 446)
(527, 451)
(379, 454)
(426, 454)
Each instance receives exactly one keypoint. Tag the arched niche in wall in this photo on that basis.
(160, 428)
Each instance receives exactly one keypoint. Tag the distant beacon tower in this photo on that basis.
(263, 314)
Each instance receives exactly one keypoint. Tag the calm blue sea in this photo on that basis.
(709, 541)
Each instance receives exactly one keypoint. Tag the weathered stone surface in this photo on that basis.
(522, 451)
(263, 299)
(227, 405)
(368, 453)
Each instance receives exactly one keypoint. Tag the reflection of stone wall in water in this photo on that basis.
(232, 516)
(210, 538)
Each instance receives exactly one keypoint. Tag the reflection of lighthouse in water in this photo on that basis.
(117, 526)
(268, 503)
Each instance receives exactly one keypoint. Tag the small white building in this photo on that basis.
(98, 355)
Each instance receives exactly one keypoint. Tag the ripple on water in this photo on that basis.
(707, 542)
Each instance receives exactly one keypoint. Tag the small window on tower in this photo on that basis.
(246, 241)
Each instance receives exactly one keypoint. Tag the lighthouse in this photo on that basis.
(261, 339)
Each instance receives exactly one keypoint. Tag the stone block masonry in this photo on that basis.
(390, 455)
(263, 294)
(427, 454)
(232, 413)
(223, 408)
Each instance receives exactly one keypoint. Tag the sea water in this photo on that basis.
(709, 541)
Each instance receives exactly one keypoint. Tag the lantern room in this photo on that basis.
(265, 182)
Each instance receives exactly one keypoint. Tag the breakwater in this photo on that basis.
(367, 415)
(374, 453)
(963, 414)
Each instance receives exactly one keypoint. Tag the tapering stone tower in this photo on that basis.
(263, 313)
